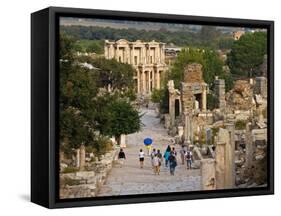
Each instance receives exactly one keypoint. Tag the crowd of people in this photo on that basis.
(156, 157)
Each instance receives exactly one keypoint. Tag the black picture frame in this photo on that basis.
(44, 106)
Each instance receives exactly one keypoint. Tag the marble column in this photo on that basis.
(143, 82)
(149, 81)
(153, 79)
(117, 53)
(138, 80)
(82, 157)
(208, 174)
(230, 156)
(187, 126)
(220, 165)
(158, 79)
(77, 158)
(249, 146)
(204, 99)
(132, 59)
(172, 109)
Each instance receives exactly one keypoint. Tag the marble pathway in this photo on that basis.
(130, 179)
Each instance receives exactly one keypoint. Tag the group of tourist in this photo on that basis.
(170, 157)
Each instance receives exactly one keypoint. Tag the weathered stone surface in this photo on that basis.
(208, 176)
(193, 73)
(241, 96)
(86, 183)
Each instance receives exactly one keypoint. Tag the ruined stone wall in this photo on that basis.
(86, 183)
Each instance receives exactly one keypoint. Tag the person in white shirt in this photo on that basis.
(141, 158)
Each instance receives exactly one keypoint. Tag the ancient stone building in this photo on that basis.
(191, 99)
(194, 88)
(148, 58)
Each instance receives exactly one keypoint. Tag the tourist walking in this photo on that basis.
(159, 154)
(172, 163)
(174, 152)
(188, 156)
(153, 153)
(166, 155)
(156, 161)
(182, 154)
(121, 157)
(141, 158)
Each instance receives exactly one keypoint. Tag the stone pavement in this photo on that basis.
(131, 179)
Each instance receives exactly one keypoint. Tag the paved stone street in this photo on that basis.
(130, 179)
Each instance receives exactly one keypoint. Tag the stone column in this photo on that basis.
(153, 79)
(172, 109)
(77, 163)
(220, 92)
(186, 127)
(249, 146)
(143, 82)
(149, 81)
(132, 55)
(117, 53)
(162, 54)
(220, 165)
(138, 80)
(127, 55)
(204, 99)
(208, 174)
(157, 54)
(230, 156)
(82, 157)
(158, 79)
(123, 141)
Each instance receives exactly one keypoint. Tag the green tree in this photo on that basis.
(117, 116)
(77, 88)
(212, 64)
(247, 54)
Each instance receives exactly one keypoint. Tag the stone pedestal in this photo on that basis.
(180, 131)
(208, 177)
(123, 141)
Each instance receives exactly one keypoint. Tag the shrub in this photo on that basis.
(240, 125)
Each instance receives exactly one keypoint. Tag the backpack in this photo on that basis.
(188, 156)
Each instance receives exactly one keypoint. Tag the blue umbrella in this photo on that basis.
(147, 141)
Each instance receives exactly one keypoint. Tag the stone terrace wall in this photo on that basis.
(87, 183)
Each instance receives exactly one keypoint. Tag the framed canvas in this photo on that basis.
(139, 107)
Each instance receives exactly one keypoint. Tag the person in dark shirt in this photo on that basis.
(121, 157)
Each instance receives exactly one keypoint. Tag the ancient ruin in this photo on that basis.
(229, 141)
(148, 58)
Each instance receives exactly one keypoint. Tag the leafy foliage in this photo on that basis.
(212, 65)
(116, 116)
(208, 36)
(247, 54)
(89, 46)
(88, 116)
